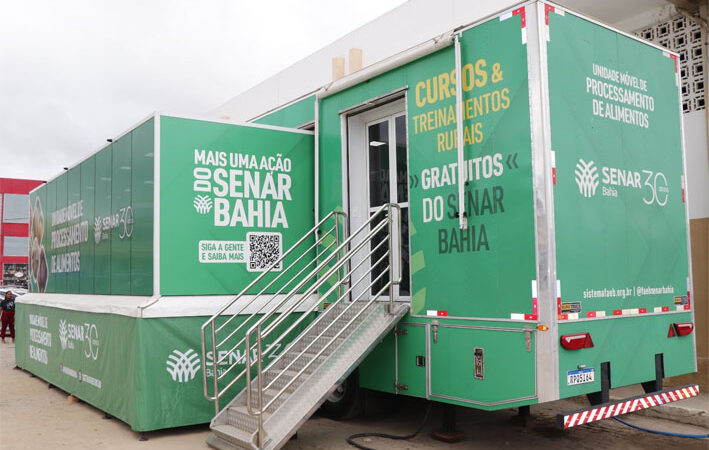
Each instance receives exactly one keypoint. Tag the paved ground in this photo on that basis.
(35, 417)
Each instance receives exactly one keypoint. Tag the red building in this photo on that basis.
(14, 229)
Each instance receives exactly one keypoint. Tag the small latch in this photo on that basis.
(420, 361)
(528, 338)
(434, 324)
(401, 387)
(401, 332)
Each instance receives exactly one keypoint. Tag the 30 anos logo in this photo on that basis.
(183, 367)
(612, 179)
(87, 334)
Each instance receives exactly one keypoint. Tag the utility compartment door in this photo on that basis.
(484, 367)
(411, 359)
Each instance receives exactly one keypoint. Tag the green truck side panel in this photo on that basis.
(102, 251)
(378, 370)
(87, 249)
(105, 246)
(634, 239)
(508, 365)
(621, 243)
(630, 345)
(410, 346)
(464, 276)
(142, 172)
(121, 364)
(73, 281)
(60, 186)
(182, 227)
(503, 230)
(88, 355)
(291, 116)
(120, 199)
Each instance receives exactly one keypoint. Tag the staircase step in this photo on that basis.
(231, 437)
(271, 374)
(323, 329)
(317, 344)
(308, 391)
(237, 416)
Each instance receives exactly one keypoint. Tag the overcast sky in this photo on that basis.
(73, 73)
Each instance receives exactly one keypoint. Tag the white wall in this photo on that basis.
(695, 144)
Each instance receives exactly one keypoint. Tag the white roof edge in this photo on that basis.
(158, 307)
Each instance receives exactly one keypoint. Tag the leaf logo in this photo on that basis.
(202, 204)
(586, 178)
(97, 230)
(63, 333)
(183, 367)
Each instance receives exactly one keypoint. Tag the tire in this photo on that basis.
(345, 402)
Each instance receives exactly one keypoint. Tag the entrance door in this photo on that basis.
(378, 174)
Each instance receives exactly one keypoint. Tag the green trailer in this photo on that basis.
(538, 220)
(494, 218)
(129, 257)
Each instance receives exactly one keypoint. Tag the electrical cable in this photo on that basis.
(350, 439)
(665, 433)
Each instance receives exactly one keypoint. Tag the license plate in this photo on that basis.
(580, 376)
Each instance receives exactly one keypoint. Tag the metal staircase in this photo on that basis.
(353, 276)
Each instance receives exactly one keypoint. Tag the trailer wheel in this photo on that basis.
(345, 402)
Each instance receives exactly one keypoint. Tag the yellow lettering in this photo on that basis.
(420, 101)
(480, 71)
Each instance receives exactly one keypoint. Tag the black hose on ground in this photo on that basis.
(664, 433)
(350, 440)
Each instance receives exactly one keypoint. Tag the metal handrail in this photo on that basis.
(211, 322)
(332, 259)
(262, 328)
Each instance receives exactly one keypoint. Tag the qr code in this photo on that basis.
(264, 250)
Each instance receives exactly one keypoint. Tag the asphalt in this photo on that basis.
(691, 411)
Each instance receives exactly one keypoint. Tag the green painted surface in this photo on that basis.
(465, 273)
(628, 231)
(221, 247)
(619, 212)
(630, 344)
(73, 281)
(94, 223)
(121, 199)
(102, 249)
(293, 115)
(378, 370)
(146, 372)
(87, 249)
(508, 366)
(411, 345)
(142, 172)
(91, 356)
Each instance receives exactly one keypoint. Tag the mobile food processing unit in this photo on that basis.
(495, 218)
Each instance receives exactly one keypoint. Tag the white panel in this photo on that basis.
(16, 246)
(695, 141)
(16, 208)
